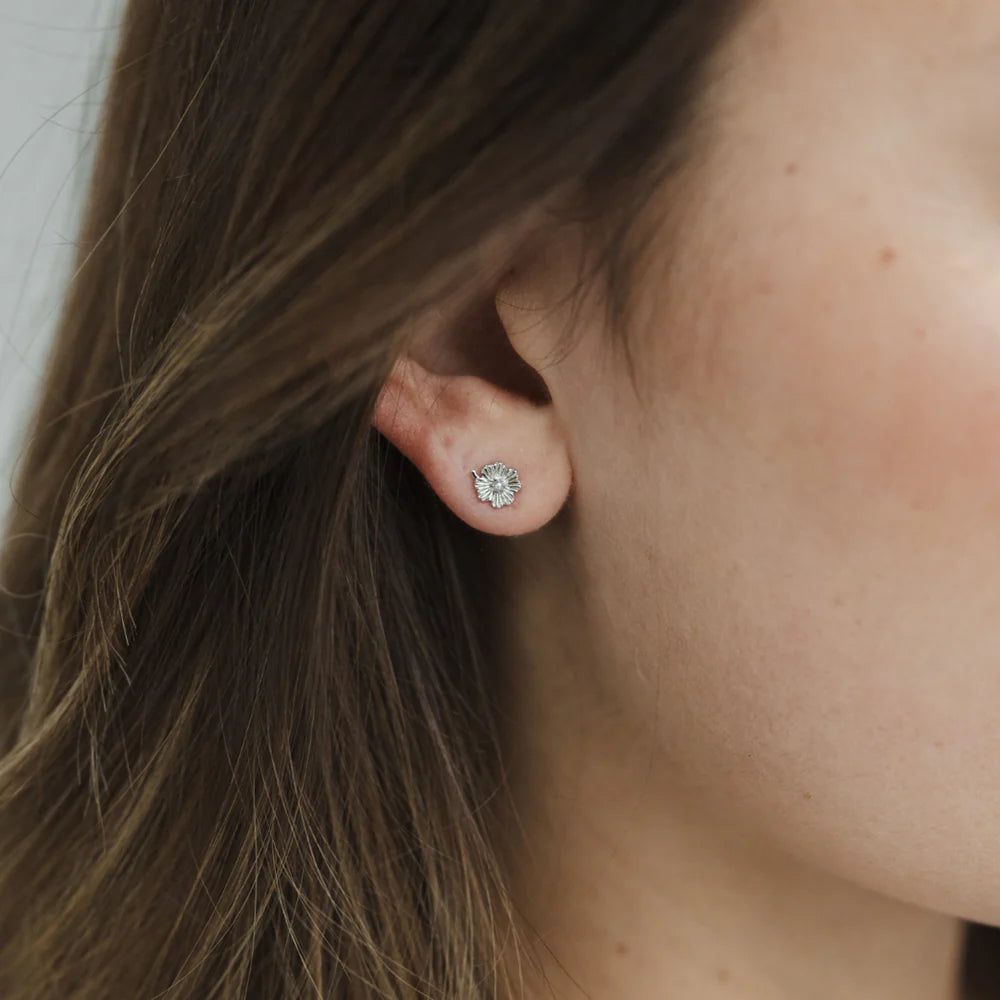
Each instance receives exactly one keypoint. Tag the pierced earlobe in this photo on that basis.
(497, 484)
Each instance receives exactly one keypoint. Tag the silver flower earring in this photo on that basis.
(497, 485)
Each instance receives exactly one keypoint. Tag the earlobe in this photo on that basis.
(497, 459)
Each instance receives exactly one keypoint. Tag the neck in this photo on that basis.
(637, 888)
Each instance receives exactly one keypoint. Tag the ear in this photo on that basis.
(461, 401)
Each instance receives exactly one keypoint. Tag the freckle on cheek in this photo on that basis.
(888, 256)
(791, 169)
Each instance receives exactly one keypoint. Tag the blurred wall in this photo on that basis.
(54, 60)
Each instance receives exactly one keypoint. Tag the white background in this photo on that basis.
(55, 56)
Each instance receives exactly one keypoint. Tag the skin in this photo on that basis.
(753, 664)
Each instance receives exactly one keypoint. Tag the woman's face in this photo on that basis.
(792, 538)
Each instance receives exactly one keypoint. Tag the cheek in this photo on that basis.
(794, 542)
(876, 418)
(824, 601)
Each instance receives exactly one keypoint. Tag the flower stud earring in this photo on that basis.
(497, 485)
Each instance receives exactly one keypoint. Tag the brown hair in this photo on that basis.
(249, 733)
